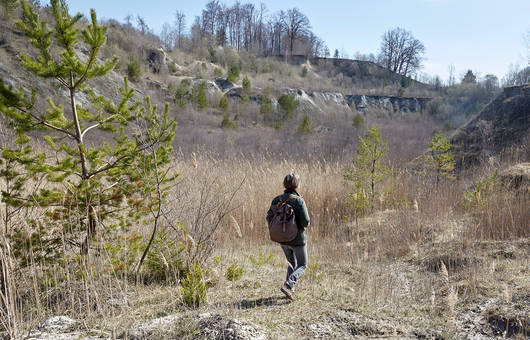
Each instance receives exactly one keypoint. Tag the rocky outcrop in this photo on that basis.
(387, 104)
(517, 177)
(224, 84)
(157, 60)
(502, 124)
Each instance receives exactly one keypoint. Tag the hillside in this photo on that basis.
(502, 125)
(331, 92)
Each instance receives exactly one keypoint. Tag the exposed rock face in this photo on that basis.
(330, 98)
(224, 84)
(503, 123)
(517, 177)
(390, 105)
(156, 60)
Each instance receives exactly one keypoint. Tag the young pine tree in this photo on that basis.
(369, 168)
(440, 161)
(86, 179)
(246, 85)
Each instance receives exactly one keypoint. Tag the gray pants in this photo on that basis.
(297, 257)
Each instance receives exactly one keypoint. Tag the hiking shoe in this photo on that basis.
(288, 292)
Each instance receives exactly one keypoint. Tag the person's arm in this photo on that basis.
(303, 214)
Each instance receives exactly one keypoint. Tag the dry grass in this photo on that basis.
(418, 265)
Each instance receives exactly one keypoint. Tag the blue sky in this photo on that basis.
(483, 35)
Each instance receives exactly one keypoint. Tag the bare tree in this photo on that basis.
(180, 27)
(400, 52)
(277, 30)
(452, 80)
(246, 26)
(296, 24)
(167, 36)
(128, 20)
(527, 40)
(142, 25)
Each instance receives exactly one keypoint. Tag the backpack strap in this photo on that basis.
(291, 196)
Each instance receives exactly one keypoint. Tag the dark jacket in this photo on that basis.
(300, 213)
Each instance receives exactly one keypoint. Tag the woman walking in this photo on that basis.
(295, 250)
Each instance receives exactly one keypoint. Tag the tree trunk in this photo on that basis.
(91, 215)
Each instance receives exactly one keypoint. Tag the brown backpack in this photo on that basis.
(281, 220)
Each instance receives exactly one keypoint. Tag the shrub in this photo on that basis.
(289, 104)
(194, 287)
(227, 123)
(266, 105)
(305, 125)
(358, 120)
(304, 72)
(245, 98)
(278, 126)
(234, 272)
(233, 74)
(173, 67)
(261, 260)
(134, 71)
(223, 103)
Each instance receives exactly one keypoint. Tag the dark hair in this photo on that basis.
(291, 181)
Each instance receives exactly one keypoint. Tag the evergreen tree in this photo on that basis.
(233, 74)
(246, 85)
(441, 160)
(469, 78)
(369, 168)
(86, 181)
(200, 96)
(289, 104)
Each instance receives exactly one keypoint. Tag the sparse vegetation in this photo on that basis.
(234, 273)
